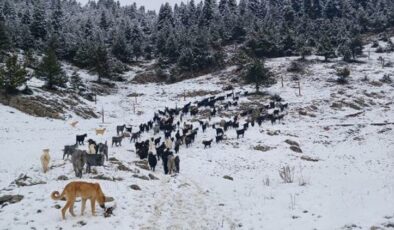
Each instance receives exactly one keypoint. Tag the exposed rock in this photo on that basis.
(354, 114)
(376, 83)
(295, 149)
(142, 164)
(290, 142)
(51, 107)
(308, 158)
(228, 87)
(62, 177)
(197, 93)
(12, 199)
(24, 180)
(152, 177)
(336, 105)
(135, 95)
(57, 206)
(82, 223)
(143, 177)
(263, 148)
(35, 106)
(228, 177)
(384, 130)
(146, 77)
(389, 225)
(102, 177)
(302, 112)
(135, 187)
(113, 159)
(183, 185)
(273, 132)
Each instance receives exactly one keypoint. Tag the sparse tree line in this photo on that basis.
(104, 36)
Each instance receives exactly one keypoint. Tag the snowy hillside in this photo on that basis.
(341, 180)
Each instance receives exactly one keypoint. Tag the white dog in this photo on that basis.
(45, 158)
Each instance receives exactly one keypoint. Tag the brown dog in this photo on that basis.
(45, 158)
(100, 131)
(81, 189)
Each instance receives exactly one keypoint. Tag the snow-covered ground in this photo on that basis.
(351, 186)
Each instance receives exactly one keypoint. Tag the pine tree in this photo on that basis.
(88, 30)
(57, 18)
(316, 9)
(26, 18)
(101, 63)
(258, 74)
(51, 71)
(332, 9)
(136, 40)
(12, 75)
(38, 25)
(84, 56)
(76, 82)
(165, 18)
(328, 40)
(356, 46)
(307, 8)
(185, 61)
(29, 59)
(232, 5)
(208, 13)
(104, 25)
(222, 6)
(4, 39)
(172, 48)
(120, 49)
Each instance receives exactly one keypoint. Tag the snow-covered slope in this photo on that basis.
(350, 186)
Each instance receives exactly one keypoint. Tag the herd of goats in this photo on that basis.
(170, 121)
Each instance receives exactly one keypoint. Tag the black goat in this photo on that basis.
(117, 141)
(207, 143)
(68, 150)
(152, 161)
(120, 128)
(80, 139)
(219, 138)
(240, 132)
(219, 131)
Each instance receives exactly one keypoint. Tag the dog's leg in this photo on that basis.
(83, 206)
(64, 209)
(71, 209)
(93, 204)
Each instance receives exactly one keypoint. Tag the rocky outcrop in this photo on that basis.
(51, 107)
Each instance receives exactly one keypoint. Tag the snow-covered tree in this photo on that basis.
(12, 75)
(51, 71)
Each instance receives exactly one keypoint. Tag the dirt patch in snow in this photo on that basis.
(46, 106)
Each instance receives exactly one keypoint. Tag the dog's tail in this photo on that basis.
(57, 196)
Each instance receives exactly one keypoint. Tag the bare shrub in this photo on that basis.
(301, 180)
(287, 174)
(343, 75)
(296, 67)
(386, 79)
(266, 181)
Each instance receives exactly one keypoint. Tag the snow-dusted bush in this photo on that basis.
(386, 79)
(296, 67)
(287, 174)
(343, 75)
